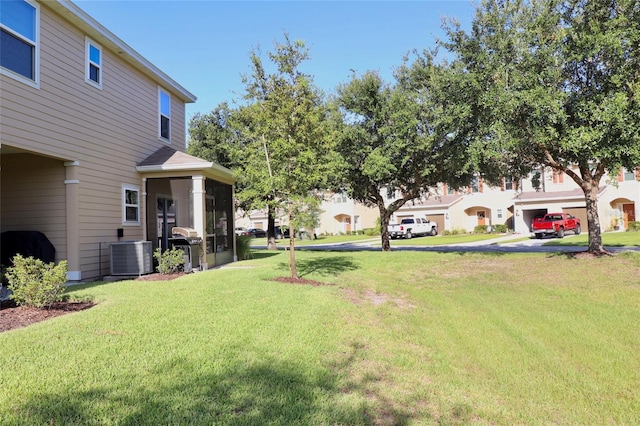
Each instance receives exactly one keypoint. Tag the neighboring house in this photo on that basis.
(92, 143)
(339, 215)
(516, 204)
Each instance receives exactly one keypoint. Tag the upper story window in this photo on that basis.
(558, 176)
(391, 193)
(340, 198)
(508, 183)
(19, 52)
(164, 108)
(629, 175)
(130, 205)
(93, 63)
(475, 185)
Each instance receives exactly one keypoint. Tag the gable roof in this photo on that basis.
(575, 194)
(106, 38)
(436, 201)
(168, 159)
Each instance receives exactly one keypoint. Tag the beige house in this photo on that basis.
(92, 144)
(516, 204)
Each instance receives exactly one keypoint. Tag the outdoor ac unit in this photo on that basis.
(131, 258)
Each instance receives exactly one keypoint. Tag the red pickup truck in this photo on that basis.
(556, 224)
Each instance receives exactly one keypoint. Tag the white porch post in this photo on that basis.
(73, 233)
(199, 215)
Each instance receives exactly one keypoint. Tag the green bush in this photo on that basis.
(501, 228)
(243, 247)
(634, 226)
(454, 232)
(169, 261)
(480, 229)
(36, 283)
(370, 232)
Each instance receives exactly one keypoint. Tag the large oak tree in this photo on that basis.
(550, 83)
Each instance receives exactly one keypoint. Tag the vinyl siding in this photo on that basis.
(32, 198)
(106, 131)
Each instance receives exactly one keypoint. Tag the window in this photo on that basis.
(391, 193)
(475, 184)
(508, 183)
(130, 205)
(629, 175)
(19, 54)
(499, 213)
(164, 107)
(340, 198)
(93, 66)
(558, 176)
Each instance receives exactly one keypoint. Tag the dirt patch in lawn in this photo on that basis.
(300, 281)
(375, 298)
(160, 277)
(12, 316)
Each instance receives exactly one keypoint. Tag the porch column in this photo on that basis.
(199, 215)
(143, 211)
(73, 233)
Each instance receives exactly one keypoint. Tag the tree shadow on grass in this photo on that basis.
(323, 266)
(265, 392)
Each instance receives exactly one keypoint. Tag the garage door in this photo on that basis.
(580, 213)
(439, 219)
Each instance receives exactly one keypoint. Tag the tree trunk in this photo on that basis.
(271, 229)
(292, 246)
(595, 236)
(384, 225)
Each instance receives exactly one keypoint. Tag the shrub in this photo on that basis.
(169, 261)
(634, 226)
(500, 228)
(370, 232)
(480, 229)
(243, 247)
(36, 283)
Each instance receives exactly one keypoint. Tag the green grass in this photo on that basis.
(611, 239)
(322, 239)
(401, 338)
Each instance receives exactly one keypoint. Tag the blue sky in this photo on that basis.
(204, 45)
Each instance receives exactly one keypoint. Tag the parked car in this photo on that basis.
(556, 224)
(410, 227)
(240, 230)
(281, 232)
(257, 233)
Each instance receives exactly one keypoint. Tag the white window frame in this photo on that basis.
(161, 92)
(125, 205)
(631, 174)
(35, 82)
(88, 63)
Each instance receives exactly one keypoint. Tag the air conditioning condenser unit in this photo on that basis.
(131, 258)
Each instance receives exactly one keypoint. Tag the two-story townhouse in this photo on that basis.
(92, 141)
(516, 203)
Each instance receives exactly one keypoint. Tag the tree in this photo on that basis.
(388, 142)
(276, 141)
(550, 83)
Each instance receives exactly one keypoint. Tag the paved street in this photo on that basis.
(499, 244)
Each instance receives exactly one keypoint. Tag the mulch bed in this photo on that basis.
(12, 316)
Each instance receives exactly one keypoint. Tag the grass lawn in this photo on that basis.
(611, 239)
(399, 338)
(322, 239)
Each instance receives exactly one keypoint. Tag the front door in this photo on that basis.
(481, 217)
(629, 212)
(166, 213)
